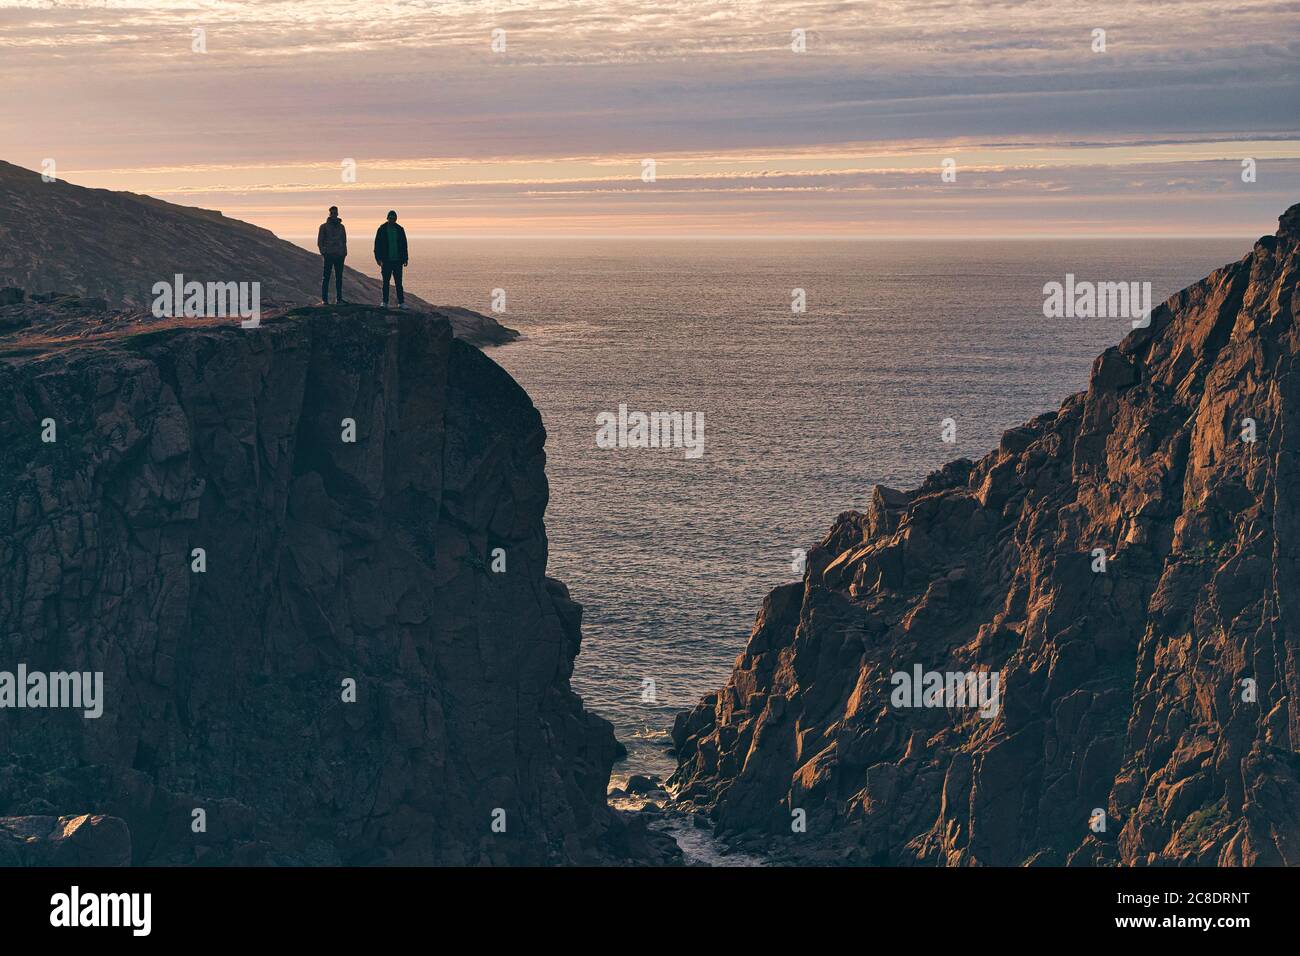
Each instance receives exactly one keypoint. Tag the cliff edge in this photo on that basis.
(56, 237)
(308, 563)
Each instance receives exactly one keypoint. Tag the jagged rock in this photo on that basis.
(1289, 223)
(1121, 692)
(327, 561)
(639, 783)
(64, 841)
(113, 246)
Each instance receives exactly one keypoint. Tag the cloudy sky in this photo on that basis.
(749, 136)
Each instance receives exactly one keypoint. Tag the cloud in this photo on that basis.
(295, 86)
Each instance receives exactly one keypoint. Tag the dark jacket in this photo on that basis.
(381, 244)
(332, 238)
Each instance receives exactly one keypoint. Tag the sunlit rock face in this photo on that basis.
(64, 841)
(308, 560)
(1126, 565)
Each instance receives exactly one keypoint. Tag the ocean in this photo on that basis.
(804, 412)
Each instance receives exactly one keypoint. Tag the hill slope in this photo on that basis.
(57, 237)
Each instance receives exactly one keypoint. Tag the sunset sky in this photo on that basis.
(749, 137)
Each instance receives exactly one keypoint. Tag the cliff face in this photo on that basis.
(1162, 690)
(57, 237)
(327, 561)
(64, 841)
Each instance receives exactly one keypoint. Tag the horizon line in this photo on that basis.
(853, 237)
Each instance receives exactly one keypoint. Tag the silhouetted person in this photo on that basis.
(332, 241)
(390, 255)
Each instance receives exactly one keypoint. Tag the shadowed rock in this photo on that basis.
(64, 841)
(327, 561)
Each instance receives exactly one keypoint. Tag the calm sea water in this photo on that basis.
(804, 413)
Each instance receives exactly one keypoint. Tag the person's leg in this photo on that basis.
(338, 278)
(386, 270)
(325, 281)
(397, 278)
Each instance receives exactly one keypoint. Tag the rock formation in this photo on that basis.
(1150, 703)
(64, 841)
(309, 561)
(59, 238)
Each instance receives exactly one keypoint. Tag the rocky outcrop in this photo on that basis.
(1149, 706)
(64, 841)
(308, 560)
(59, 238)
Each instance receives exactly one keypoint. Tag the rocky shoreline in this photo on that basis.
(308, 560)
(1150, 706)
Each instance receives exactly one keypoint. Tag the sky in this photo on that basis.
(762, 118)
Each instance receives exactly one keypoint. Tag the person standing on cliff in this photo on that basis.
(391, 256)
(332, 241)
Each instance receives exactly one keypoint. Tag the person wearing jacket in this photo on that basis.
(332, 241)
(390, 256)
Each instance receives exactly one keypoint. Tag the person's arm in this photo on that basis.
(344, 230)
(379, 237)
(402, 235)
(320, 239)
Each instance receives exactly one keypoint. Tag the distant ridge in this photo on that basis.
(57, 237)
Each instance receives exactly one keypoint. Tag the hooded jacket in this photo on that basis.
(332, 238)
(381, 244)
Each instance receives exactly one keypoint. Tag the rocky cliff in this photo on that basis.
(64, 841)
(309, 561)
(56, 237)
(1126, 565)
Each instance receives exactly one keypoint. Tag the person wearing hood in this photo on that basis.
(390, 256)
(332, 241)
